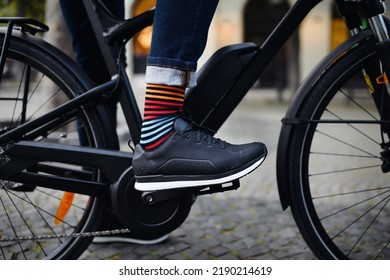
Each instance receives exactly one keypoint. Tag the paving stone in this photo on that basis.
(218, 251)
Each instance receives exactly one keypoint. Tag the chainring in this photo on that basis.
(147, 221)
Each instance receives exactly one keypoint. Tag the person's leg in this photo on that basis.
(180, 31)
(84, 41)
(175, 153)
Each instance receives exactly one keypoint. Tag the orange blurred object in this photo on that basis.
(64, 207)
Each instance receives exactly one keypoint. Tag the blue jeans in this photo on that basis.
(179, 38)
(180, 32)
(84, 42)
(85, 46)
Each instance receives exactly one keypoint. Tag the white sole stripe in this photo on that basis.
(157, 186)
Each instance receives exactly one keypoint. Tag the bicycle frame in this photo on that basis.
(254, 59)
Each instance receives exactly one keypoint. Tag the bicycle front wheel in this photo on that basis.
(339, 194)
(36, 222)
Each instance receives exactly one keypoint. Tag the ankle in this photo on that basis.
(162, 104)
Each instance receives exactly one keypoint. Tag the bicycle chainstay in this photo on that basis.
(70, 235)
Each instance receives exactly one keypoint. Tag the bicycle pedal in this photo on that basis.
(150, 198)
(234, 185)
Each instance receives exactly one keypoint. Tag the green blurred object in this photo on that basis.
(23, 8)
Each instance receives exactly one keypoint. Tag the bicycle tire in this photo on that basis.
(338, 194)
(29, 211)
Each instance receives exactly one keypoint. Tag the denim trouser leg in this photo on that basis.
(85, 45)
(179, 38)
(84, 41)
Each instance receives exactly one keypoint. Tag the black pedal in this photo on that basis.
(150, 198)
(219, 188)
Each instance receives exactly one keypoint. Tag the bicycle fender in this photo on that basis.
(301, 94)
(46, 47)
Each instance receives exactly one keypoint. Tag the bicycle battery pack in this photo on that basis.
(214, 80)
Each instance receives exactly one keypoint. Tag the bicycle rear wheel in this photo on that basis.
(339, 196)
(33, 225)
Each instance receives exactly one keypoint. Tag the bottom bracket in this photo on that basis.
(147, 220)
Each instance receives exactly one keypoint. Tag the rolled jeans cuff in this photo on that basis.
(170, 76)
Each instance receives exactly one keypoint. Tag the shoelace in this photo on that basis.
(197, 131)
(193, 130)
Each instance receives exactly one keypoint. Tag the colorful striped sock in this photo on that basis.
(161, 106)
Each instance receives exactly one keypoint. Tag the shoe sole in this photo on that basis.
(167, 185)
(119, 239)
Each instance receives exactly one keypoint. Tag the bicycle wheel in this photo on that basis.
(339, 195)
(31, 223)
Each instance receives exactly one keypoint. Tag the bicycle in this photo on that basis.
(55, 189)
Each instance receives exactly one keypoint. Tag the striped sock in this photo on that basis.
(161, 106)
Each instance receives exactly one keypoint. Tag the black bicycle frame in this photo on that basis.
(24, 155)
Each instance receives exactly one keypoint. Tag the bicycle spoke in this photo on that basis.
(25, 222)
(45, 103)
(341, 155)
(350, 193)
(343, 170)
(351, 206)
(353, 100)
(347, 144)
(12, 227)
(369, 225)
(39, 208)
(354, 127)
(26, 99)
(383, 250)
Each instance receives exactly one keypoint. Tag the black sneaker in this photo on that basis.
(191, 157)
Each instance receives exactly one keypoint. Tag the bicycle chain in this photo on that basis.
(4, 159)
(72, 235)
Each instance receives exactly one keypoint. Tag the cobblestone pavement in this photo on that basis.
(244, 224)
